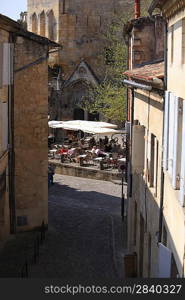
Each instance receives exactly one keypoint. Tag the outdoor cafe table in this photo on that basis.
(53, 151)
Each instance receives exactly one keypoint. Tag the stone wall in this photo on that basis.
(149, 113)
(4, 168)
(30, 134)
(148, 40)
(69, 170)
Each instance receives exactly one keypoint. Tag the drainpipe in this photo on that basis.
(162, 170)
(137, 9)
(132, 122)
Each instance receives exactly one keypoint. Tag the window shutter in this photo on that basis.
(6, 64)
(177, 142)
(138, 147)
(171, 134)
(4, 107)
(166, 131)
(182, 175)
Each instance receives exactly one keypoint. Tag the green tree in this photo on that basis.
(109, 98)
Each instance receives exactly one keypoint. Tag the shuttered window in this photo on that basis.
(6, 64)
(182, 173)
(166, 131)
(171, 134)
(138, 149)
(174, 142)
(177, 143)
(173, 138)
(4, 126)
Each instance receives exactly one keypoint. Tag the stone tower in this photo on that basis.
(78, 25)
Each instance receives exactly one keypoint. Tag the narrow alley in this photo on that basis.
(85, 237)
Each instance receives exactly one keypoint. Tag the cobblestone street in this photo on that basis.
(85, 237)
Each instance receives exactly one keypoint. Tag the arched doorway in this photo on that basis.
(78, 114)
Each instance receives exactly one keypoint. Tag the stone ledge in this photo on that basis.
(85, 172)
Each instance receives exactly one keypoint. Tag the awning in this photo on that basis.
(100, 128)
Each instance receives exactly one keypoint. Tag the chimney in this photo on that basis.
(137, 9)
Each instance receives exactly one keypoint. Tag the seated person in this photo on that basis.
(108, 148)
(62, 150)
(92, 142)
(98, 152)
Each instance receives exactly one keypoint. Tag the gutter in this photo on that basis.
(134, 84)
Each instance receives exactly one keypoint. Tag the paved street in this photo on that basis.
(85, 237)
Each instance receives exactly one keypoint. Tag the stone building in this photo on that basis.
(5, 122)
(79, 26)
(172, 216)
(156, 112)
(24, 128)
(145, 80)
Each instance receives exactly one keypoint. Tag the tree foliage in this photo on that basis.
(109, 98)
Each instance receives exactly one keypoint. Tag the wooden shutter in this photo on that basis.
(171, 134)
(166, 131)
(138, 147)
(4, 107)
(182, 174)
(177, 143)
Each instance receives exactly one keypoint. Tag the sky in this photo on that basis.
(12, 8)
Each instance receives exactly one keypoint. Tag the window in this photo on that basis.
(173, 137)
(4, 126)
(51, 25)
(182, 171)
(42, 24)
(138, 149)
(183, 41)
(174, 142)
(34, 23)
(6, 64)
(152, 161)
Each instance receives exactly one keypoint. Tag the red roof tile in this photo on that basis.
(147, 72)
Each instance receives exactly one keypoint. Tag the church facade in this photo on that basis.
(79, 26)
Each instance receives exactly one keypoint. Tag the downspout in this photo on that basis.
(130, 158)
(11, 154)
(162, 169)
